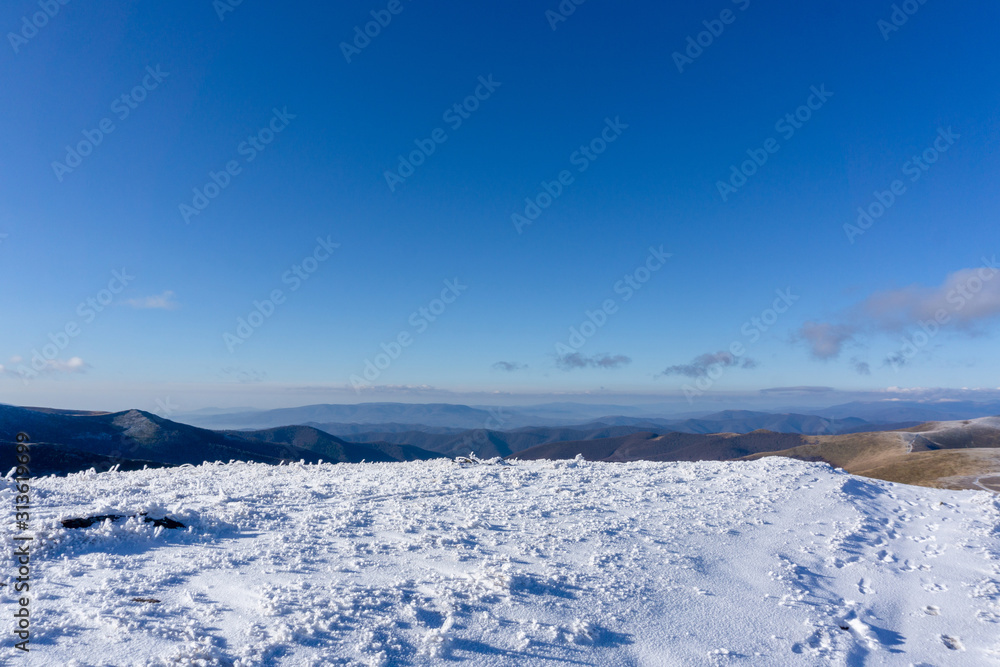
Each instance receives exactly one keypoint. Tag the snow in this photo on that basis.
(770, 562)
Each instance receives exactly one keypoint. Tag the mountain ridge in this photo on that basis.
(133, 438)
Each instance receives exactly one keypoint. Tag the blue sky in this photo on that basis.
(198, 87)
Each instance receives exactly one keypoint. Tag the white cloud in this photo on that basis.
(164, 301)
(44, 367)
(965, 298)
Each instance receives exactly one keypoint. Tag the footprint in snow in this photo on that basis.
(954, 643)
(864, 588)
(987, 616)
(935, 588)
(932, 610)
(861, 631)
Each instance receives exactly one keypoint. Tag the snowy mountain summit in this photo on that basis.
(770, 562)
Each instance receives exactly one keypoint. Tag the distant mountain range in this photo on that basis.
(70, 442)
(444, 418)
(744, 421)
(488, 443)
(668, 447)
(429, 414)
(955, 453)
(347, 430)
(910, 411)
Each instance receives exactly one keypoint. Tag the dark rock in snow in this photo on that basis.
(87, 522)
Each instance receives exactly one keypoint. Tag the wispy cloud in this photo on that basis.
(569, 362)
(798, 390)
(164, 301)
(244, 375)
(895, 360)
(966, 298)
(39, 366)
(699, 365)
(509, 366)
(404, 389)
(861, 367)
(825, 340)
(963, 301)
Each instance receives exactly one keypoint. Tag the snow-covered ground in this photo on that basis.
(772, 562)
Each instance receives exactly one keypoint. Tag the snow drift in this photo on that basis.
(770, 562)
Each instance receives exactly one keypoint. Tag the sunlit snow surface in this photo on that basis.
(774, 562)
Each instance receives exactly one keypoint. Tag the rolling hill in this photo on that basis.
(953, 454)
(334, 449)
(920, 411)
(667, 447)
(487, 443)
(64, 443)
(504, 443)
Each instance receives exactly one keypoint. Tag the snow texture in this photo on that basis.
(770, 562)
